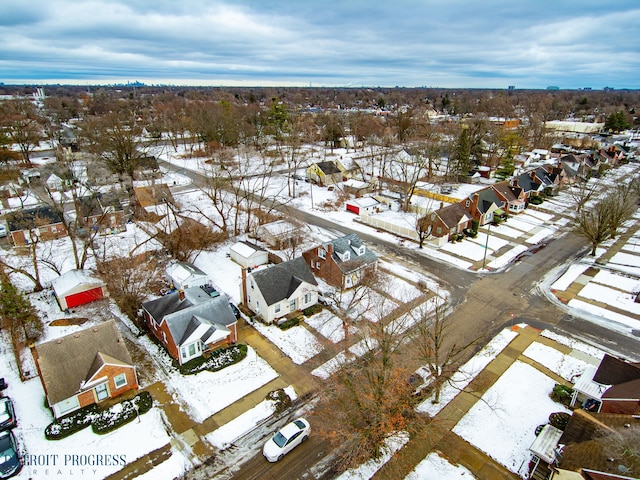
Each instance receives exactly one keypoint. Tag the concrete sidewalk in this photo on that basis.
(438, 435)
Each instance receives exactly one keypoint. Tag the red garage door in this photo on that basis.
(353, 208)
(84, 297)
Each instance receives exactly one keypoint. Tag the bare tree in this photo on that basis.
(369, 400)
(436, 345)
(602, 221)
(21, 123)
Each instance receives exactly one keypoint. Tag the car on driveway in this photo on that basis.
(286, 439)
(10, 463)
(7, 414)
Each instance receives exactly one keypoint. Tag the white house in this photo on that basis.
(248, 255)
(184, 275)
(280, 290)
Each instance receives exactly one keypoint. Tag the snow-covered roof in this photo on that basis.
(246, 249)
(587, 386)
(545, 443)
(364, 202)
(72, 279)
(181, 271)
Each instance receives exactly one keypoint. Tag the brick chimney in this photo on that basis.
(181, 293)
(244, 286)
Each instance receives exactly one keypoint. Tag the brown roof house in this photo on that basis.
(614, 387)
(85, 367)
(593, 446)
(342, 262)
(441, 224)
(512, 196)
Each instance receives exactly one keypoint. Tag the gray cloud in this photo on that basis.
(448, 43)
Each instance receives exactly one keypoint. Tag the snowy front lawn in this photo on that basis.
(329, 326)
(297, 342)
(435, 467)
(566, 366)
(502, 424)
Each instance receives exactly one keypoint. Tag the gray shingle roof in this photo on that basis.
(351, 242)
(328, 167)
(198, 306)
(279, 281)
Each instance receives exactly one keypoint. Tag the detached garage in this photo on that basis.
(77, 287)
(364, 205)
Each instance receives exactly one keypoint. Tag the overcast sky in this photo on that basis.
(348, 43)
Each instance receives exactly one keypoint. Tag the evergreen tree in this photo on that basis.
(17, 313)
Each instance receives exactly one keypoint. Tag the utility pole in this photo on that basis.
(486, 247)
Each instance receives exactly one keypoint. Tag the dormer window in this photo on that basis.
(346, 256)
(361, 250)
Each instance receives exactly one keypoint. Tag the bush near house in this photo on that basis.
(559, 420)
(217, 360)
(101, 420)
(561, 394)
(292, 322)
(312, 310)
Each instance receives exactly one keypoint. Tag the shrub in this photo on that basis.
(561, 394)
(559, 420)
(218, 360)
(72, 423)
(281, 400)
(121, 413)
(312, 310)
(292, 322)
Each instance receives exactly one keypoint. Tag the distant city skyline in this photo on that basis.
(352, 43)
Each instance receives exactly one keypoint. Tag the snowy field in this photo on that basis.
(329, 326)
(297, 343)
(503, 424)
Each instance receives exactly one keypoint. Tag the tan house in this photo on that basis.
(84, 368)
(326, 173)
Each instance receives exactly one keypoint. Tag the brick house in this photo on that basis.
(85, 367)
(41, 222)
(342, 262)
(192, 322)
(613, 387)
(441, 224)
(484, 205)
(512, 196)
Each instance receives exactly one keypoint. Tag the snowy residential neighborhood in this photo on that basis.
(173, 321)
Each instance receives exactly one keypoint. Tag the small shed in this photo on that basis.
(77, 287)
(249, 255)
(365, 205)
(184, 275)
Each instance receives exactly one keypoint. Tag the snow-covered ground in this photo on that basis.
(503, 424)
(436, 467)
(297, 343)
(567, 366)
(467, 372)
(369, 469)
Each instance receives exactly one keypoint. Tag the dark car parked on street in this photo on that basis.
(7, 414)
(10, 462)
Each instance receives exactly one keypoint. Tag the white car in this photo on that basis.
(286, 439)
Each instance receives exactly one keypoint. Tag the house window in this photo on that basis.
(192, 350)
(467, 203)
(102, 392)
(361, 252)
(307, 298)
(346, 257)
(277, 308)
(120, 380)
(312, 264)
(252, 284)
(321, 253)
(53, 229)
(439, 231)
(292, 305)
